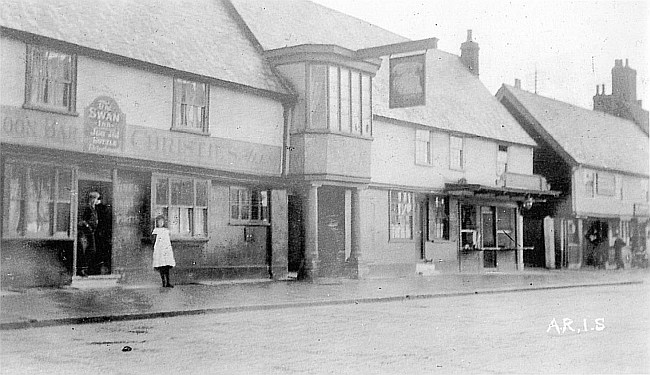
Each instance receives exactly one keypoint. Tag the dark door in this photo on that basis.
(296, 234)
(94, 246)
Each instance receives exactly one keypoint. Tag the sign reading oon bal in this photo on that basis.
(104, 126)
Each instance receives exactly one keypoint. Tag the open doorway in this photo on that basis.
(95, 228)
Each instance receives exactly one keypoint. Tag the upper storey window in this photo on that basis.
(51, 80)
(407, 81)
(191, 106)
(339, 100)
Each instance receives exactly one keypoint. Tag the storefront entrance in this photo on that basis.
(95, 228)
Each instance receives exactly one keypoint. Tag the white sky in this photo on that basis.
(571, 44)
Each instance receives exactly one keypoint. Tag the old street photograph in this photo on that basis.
(324, 187)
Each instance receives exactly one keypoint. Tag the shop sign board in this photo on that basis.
(104, 125)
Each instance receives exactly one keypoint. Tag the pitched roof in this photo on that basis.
(456, 100)
(286, 23)
(196, 36)
(589, 137)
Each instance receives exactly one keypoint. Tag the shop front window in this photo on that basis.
(401, 215)
(468, 226)
(36, 201)
(248, 206)
(438, 218)
(184, 202)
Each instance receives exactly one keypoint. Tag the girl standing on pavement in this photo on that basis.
(163, 256)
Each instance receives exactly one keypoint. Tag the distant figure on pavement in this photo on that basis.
(619, 244)
(163, 256)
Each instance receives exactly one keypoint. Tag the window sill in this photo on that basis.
(56, 110)
(190, 131)
(401, 240)
(189, 239)
(440, 240)
(57, 238)
(421, 164)
(249, 223)
(334, 132)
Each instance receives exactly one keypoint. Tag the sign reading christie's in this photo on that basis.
(104, 125)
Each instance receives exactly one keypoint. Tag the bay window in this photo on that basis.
(340, 99)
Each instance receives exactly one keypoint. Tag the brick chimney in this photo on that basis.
(469, 54)
(517, 83)
(624, 81)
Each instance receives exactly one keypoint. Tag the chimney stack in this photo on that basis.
(624, 81)
(469, 54)
(597, 90)
(517, 83)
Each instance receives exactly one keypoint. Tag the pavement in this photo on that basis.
(41, 307)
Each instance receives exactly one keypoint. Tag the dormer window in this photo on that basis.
(407, 81)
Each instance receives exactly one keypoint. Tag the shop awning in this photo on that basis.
(482, 191)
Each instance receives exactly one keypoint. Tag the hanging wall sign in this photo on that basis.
(104, 126)
(407, 81)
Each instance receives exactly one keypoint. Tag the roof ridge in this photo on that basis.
(357, 18)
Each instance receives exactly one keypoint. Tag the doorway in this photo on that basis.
(95, 228)
(296, 235)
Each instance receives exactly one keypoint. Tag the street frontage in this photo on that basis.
(600, 329)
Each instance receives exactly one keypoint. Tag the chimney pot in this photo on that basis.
(603, 89)
(469, 35)
(597, 89)
(517, 83)
(626, 63)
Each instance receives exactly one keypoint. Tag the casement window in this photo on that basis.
(438, 215)
(422, 147)
(36, 201)
(401, 215)
(456, 153)
(589, 184)
(249, 206)
(502, 160)
(184, 202)
(191, 106)
(50, 80)
(339, 100)
(407, 81)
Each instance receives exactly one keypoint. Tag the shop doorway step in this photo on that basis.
(93, 282)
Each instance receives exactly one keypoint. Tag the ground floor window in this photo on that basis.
(401, 215)
(438, 215)
(36, 201)
(249, 206)
(184, 201)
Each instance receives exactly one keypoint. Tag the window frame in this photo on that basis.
(407, 224)
(55, 200)
(30, 84)
(196, 208)
(347, 108)
(423, 144)
(460, 153)
(502, 160)
(263, 209)
(176, 108)
(433, 208)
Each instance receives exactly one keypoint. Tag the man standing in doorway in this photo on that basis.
(87, 241)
